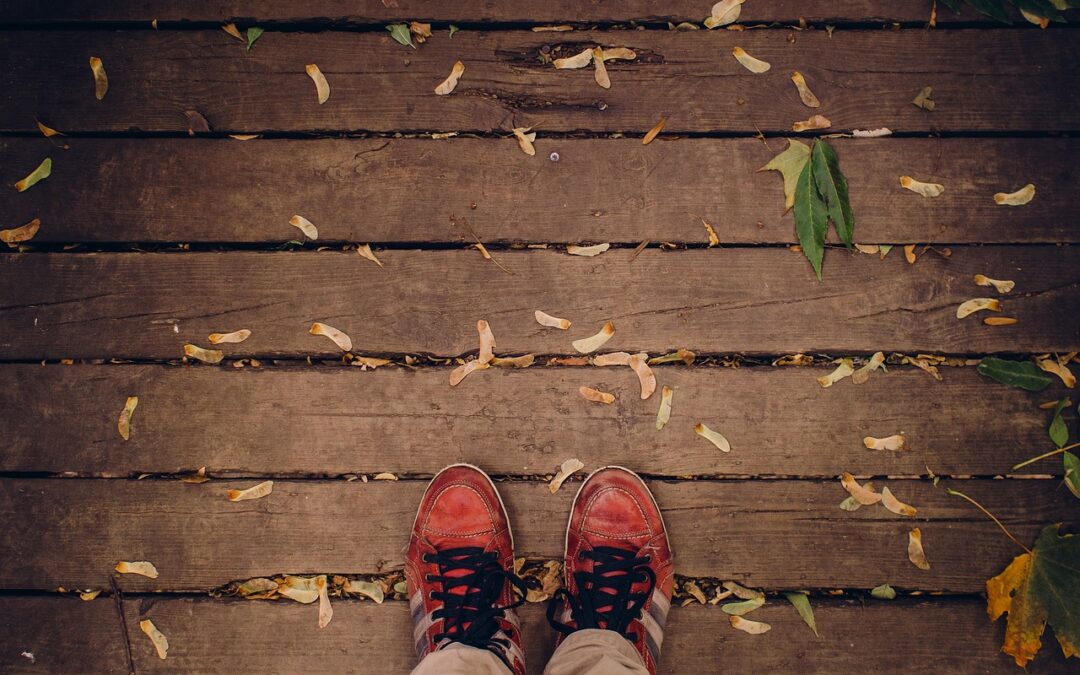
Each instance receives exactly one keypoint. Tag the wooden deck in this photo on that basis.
(152, 237)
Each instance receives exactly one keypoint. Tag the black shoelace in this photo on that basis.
(604, 598)
(470, 617)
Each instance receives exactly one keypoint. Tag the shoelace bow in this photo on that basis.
(604, 598)
(470, 617)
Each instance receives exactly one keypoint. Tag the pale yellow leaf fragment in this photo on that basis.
(845, 369)
(600, 74)
(749, 626)
(999, 285)
(17, 235)
(365, 362)
(525, 140)
(655, 131)
(923, 98)
(976, 305)
(724, 13)
(234, 337)
(789, 164)
(596, 395)
(612, 359)
(461, 372)
(364, 250)
(871, 133)
(210, 356)
(561, 28)
(814, 122)
(714, 437)
(756, 66)
(545, 319)
(322, 87)
(591, 344)
(894, 442)
(619, 53)
(385, 476)
(301, 589)
(1018, 198)
(451, 80)
(87, 596)
(257, 492)
(909, 253)
(664, 413)
(1051, 365)
(244, 137)
(805, 95)
(587, 251)
(861, 494)
(644, 373)
(861, 375)
(47, 131)
(123, 425)
(343, 341)
(304, 225)
(367, 589)
(326, 612)
(714, 239)
(101, 80)
(921, 188)
(161, 643)
(889, 501)
(568, 468)
(1000, 321)
(232, 30)
(869, 249)
(141, 567)
(487, 341)
(523, 361)
(579, 60)
(915, 551)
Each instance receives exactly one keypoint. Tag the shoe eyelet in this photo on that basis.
(581, 555)
(425, 558)
(427, 578)
(431, 595)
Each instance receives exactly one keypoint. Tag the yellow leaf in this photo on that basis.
(123, 425)
(43, 171)
(805, 95)
(664, 413)
(234, 337)
(756, 66)
(1018, 198)
(596, 395)
(550, 321)
(644, 373)
(161, 643)
(789, 164)
(714, 437)
(451, 80)
(101, 80)
(343, 341)
(306, 226)
(322, 87)
(999, 285)
(210, 356)
(977, 305)
(591, 344)
(600, 74)
(257, 492)
(915, 550)
(812, 123)
(655, 131)
(142, 568)
(20, 234)
(568, 468)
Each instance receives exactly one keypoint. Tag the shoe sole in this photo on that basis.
(494, 489)
(652, 498)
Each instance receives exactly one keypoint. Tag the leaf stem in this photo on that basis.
(1045, 455)
(992, 517)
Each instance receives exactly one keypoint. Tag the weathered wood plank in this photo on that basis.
(1017, 81)
(762, 301)
(293, 421)
(216, 636)
(177, 190)
(772, 534)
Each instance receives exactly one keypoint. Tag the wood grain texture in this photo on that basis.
(771, 534)
(407, 190)
(214, 636)
(759, 301)
(318, 421)
(1018, 80)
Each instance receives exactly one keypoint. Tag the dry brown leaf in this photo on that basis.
(612, 359)
(210, 356)
(655, 131)
(909, 253)
(664, 413)
(545, 319)
(234, 337)
(451, 80)
(923, 98)
(1052, 365)
(364, 250)
(304, 590)
(322, 87)
(525, 140)
(724, 13)
(863, 495)
(623, 53)
(749, 626)
(422, 31)
(644, 373)
(47, 131)
(684, 355)
(141, 567)
(257, 492)
(343, 341)
(894, 442)
(196, 477)
(232, 30)
(756, 66)
(714, 240)
(568, 468)
(367, 589)
(1018, 198)
(1000, 321)
(101, 80)
(487, 341)
(579, 60)
(915, 552)
(326, 612)
(895, 505)
(861, 375)
(304, 225)
(587, 251)
(161, 643)
(797, 360)
(805, 95)
(523, 361)
(921, 188)
(600, 74)
(17, 235)
(999, 285)
(1040, 21)
(365, 362)
(976, 305)
(461, 372)
(591, 344)
(123, 425)
(843, 370)
(596, 395)
(869, 249)
(814, 122)
(714, 437)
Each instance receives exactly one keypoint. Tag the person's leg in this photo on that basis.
(618, 580)
(459, 568)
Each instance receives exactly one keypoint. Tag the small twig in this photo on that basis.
(992, 517)
(639, 249)
(119, 598)
(479, 245)
(1045, 455)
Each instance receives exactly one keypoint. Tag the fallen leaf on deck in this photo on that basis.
(451, 80)
(756, 66)
(863, 495)
(977, 305)
(234, 337)
(684, 355)
(461, 372)
(1051, 365)
(655, 131)
(883, 592)
(802, 605)
(196, 477)
(400, 33)
(210, 356)
(909, 253)
(232, 30)
(869, 249)
(568, 468)
(487, 341)
(644, 373)
(742, 592)
(20, 234)
(843, 370)
(923, 98)
(161, 643)
(612, 359)
(525, 140)
(253, 34)
(244, 137)
(545, 319)
(596, 395)
(579, 60)
(664, 413)
(807, 96)
(743, 607)
(591, 344)
(789, 164)
(366, 362)
(797, 360)
(101, 80)
(915, 551)
(141, 567)
(921, 188)
(43, 171)
(1036, 589)
(366, 589)
(322, 87)
(814, 122)
(619, 53)
(889, 501)
(257, 588)
(861, 375)
(1018, 198)
(47, 131)
(384, 476)
(326, 612)
(692, 589)
(1072, 473)
(723, 13)
(1000, 321)
(999, 285)
(713, 437)
(850, 504)
(894, 442)
(87, 596)
(343, 341)
(257, 492)
(600, 74)
(748, 626)
(301, 589)
(1021, 374)
(422, 31)
(123, 425)
(523, 361)
(304, 225)
(871, 133)
(587, 251)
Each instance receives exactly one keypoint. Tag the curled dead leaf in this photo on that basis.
(461, 372)
(210, 356)
(596, 395)
(343, 341)
(364, 250)
(664, 413)
(909, 253)
(101, 80)
(600, 73)
(87, 596)
(805, 95)
(977, 305)
(843, 370)
(591, 344)
(861, 375)
(451, 80)
(724, 13)
(612, 359)
(17, 235)
(256, 492)
(123, 425)
(756, 66)
(714, 437)
(748, 626)
(894, 442)
(161, 643)
(47, 131)
(895, 505)
(141, 567)
(915, 551)
(684, 355)
(523, 361)
(814, 122)
(322, 87)
(999, 285)
(587, 251)
(1018, 198)
(921, 188)
(644, 373)
(655, 131)
(367, 589)
(568, 468)
(579, 60)
(871, 133)
(304, 225)
(525, 140)
(234, 337)
(301, 589)
(863, 495)
(545, 319)
(623, 53)
(232, 30)
(1052, 365)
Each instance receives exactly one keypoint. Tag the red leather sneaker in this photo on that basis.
(618, 567)
(459, 568)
